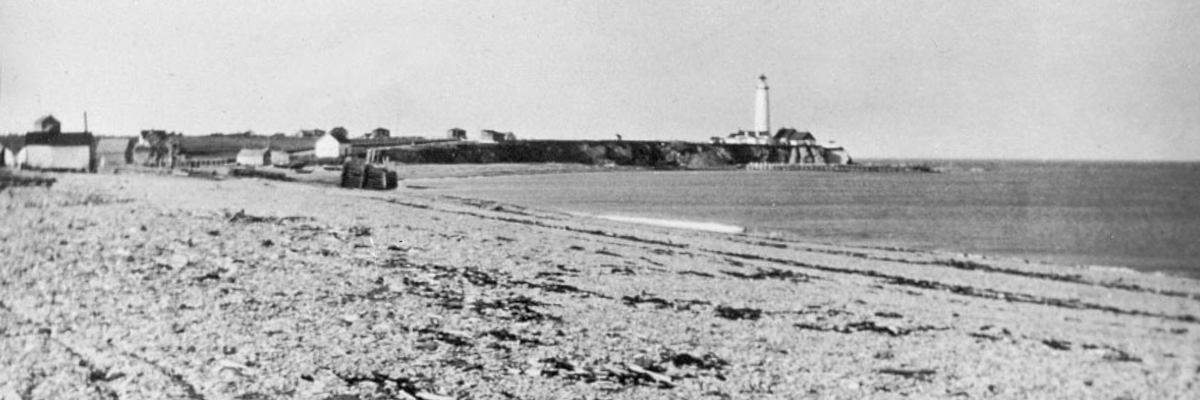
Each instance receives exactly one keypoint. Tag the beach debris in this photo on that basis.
(453, 338)
(773, 273)
(605, 252)
(708, 361)
(660, 303)
(697, 273)
(517, 308)
(1109, 353)
(1057, 344)
(735, 313)
(504, 335)
(242, 217)
(664, 371)
(1004, 332)
(560, 288)
(615, 269)
(868, 326)
(1118, 355)
(662, 380)
(918, 374)
(400, 387)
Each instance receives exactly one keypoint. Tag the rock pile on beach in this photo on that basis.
(172, 287)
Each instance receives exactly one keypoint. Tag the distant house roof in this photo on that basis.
(107, 144)
(789, 134)
(496, 136)
(338, 138)
(311, 133)
(47, 124)
(59, 139)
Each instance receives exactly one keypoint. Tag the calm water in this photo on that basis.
(1141, 215)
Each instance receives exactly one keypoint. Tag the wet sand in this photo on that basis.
(123, 286)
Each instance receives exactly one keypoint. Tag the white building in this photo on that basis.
(58, 151)
(330, 146)
(491, 136)
(254, 157)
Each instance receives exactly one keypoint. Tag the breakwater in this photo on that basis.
(675, 155)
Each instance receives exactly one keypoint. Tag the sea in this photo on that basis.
(1139, 215)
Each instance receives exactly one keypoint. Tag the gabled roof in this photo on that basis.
(112, 144)
(47, 124)
(789, 134)
(339, 139)
(59, 139)
(252, 152)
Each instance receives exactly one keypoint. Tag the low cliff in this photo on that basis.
(624, 153)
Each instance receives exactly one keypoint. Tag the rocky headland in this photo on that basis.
(645, 154)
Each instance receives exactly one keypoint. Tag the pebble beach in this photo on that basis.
(152, 287)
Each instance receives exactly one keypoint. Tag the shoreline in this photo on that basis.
(444, 172)
(1172, 262)
(784, 236)
(248, 287)
(419, 173)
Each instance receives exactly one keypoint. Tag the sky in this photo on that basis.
(1038, 79)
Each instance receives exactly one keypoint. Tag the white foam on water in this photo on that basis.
(677, 224)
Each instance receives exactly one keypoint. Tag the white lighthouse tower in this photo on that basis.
(762, 109)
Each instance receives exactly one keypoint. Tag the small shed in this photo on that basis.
(254, 157)
(331, 146)
(490, 136)
(47, 124)
(111, 151)
(60, 151)
(278, 157)
(456, 134)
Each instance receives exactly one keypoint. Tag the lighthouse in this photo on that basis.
(762, 109)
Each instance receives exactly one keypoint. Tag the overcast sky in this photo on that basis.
(1087, 79)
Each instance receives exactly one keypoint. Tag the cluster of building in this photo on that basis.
(48, 147)
(805, 149)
